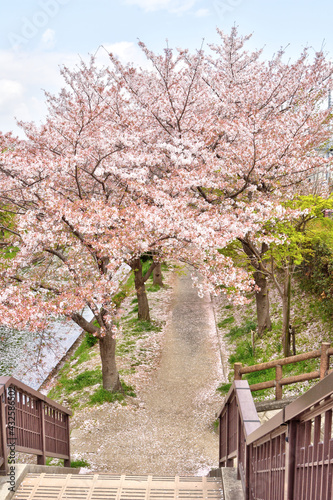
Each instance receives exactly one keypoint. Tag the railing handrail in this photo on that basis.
(31, 423)
(247, 409)
(323, 353)
(294, 409)
(283, 361)
(6, 382)
(274, 451)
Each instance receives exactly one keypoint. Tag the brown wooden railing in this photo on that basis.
(31, 423)
(289, 457)
(323, 353)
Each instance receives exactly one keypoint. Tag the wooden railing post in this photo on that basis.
(237, 374)
(247, 472)
(278, 377)
(227, 436)
(3, 441)
(41, 459)
(290, 460)
(67, 461)
(324, 359)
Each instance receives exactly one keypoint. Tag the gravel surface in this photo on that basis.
(169, 428)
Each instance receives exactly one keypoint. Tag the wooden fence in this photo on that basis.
(289, 457)
(31, 423)
(323, 353)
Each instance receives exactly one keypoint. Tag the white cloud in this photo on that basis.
(173, 6)
(23, 76)
(202, 13)
(48, 39)
(11, 91)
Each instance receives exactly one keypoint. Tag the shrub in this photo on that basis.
(79, 463)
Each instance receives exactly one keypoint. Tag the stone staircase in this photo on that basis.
(46, 486)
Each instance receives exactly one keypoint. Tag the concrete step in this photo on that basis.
(117, 487)
(231, 486)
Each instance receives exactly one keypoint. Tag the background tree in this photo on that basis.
(85, 202)
(236, 136)
(180, 160)
(290, 239)
(81, 211)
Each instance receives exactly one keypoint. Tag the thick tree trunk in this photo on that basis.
(256, 256)
(262, 303)
(157, 275)
(286, 316)
(107, 348)
(139, 281)
(143, 306)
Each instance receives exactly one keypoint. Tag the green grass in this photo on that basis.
(137, 326)
(59, 462)
(226, 321)
(66, 385)
(125, 347)
(241, 331)
(153, 288)
(72, 389)
(240, 337)
(73, 386)
(224, 388)
(118, 298)
(79, 463)
(101, 395)
(83, 352)
(84, 379)
(133, 330)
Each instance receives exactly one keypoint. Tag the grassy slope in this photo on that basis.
(238, 325)
(79, 382)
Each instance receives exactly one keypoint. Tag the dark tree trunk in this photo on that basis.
(286, 316)
(262, 303)
(256, 256)
(143, 306)
(157, 275)
(107, 348)
(139, 281)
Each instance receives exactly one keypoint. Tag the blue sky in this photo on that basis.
(37, 36)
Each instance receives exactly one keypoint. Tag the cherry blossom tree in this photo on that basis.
(173, 109)
(83, 192)
(178, 160)
(81, 211)
(277, 127)
(276, 124)
(237, 135)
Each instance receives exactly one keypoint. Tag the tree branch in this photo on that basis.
(84, 324)
(58, 254)
(150, 270)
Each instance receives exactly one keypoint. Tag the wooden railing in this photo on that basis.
(289, 457)
(31, 423)
(323, 353)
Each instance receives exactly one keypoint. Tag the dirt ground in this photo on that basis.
(169, 427)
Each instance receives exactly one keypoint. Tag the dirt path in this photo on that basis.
(169, 428)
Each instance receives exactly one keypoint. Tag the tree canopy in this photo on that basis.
(178, 160)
